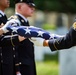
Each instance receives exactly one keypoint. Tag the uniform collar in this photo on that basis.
(22, 16)
(2, 12)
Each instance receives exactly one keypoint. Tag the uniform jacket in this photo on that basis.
(69, 40)
(6, 46)
(26, 47)
(6, 41)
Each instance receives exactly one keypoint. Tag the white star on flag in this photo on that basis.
(27, 30)
(14, 29)
(40, 33)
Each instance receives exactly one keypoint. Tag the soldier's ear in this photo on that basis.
(19, 7)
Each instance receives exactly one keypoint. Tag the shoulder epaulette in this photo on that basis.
(13, 17)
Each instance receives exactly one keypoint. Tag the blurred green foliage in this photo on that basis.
(51, 57)
(67, 6)
(57, 5)
(47, 68)
(12, 3)
(46, 26)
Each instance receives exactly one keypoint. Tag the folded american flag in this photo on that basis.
(31, 31)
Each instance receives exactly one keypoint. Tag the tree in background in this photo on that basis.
(61, 6)
(54, 5)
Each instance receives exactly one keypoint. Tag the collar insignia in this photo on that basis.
(74, 25)
(22, 20)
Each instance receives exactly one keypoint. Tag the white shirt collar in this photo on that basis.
(22, 16)
(2, 12)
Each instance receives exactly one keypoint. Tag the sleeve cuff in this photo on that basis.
(52, 45)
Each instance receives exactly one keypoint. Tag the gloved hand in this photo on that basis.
(12, 22)
(18, 73)
(37, 41)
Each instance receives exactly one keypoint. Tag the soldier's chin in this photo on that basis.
(8, 6)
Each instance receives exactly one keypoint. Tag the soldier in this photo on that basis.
(24, 9)
(3, 5)
(6, 48)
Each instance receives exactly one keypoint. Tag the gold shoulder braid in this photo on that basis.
(17, 64)
(74, 25)
(13, 17)
(12, 40)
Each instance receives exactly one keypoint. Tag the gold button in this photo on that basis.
(14, 56)
(20, 63)
(1, 54)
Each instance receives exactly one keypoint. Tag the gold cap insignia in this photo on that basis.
(74, 25)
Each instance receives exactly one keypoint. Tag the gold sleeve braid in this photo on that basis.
(12, 40)
(17, 64)
(55, 44)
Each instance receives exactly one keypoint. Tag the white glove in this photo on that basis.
(4, 27)
(37, 41)
(18, 73)
(12, 22)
